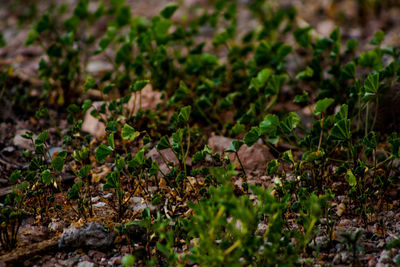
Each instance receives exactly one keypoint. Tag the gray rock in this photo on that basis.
(21, 142)
(169, 156)
(108, 196)
(92, 125)
(255, 157)
(8, 150)
(342, 257)
(385, 257)
(148, 101)
(337, 259)
(115, 261)
(95, 199)
(139, 204)
(56, 226)
(92, 235)
(69, 262)
(97, 66)
(85, 264)
(320, 241)
(99, 205)
(261, 228)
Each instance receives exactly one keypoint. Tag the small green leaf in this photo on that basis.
(84, 171)
(3, 42)
(378, 38)
(46, 177)
(111, 126)
(123, 16)
(371, 140)
(41, 138)
(138, 160)
(348, 71)
(371, 59)
(272, 167)
(270, 124)
(350, 178)
(311, 156)
(161, 28)
(162, 248)
(252, 136)
(303, 36)
(73, 108)
(237, 129)
(262, 77)
(275, 84)
(89, 84)
(105, 42)
(181, 93)
(128, 132)
(73, 193)
(138, 85)
(102, 152)
(163, 143)
(290, 122)
(43, 23)
(15, 175)
(234, 146)
(307, 73)
(32, 37)
(153, 171)
(108, 88)
(42, 112)
(86, 105)
(27, 135)
(288, 156)
(342, 113)
(112, 181)
(341, 130)
(220, 38)
(198, 157)
(128, 260)
(371, 86)
(111, 141)
(177, 138)
(301, 98)
(168, 11)
(322, 105)
(351, 45)
(57, 163)
(184, 114)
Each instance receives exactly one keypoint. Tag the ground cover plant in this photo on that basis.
(211, 134)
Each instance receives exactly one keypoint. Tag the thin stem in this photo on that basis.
(187, 149)
(240, 162)
(320, 135)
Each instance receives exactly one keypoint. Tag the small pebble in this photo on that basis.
(99, 204)
(108, 196)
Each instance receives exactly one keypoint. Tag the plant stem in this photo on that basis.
(320, 135)
(240, 162)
